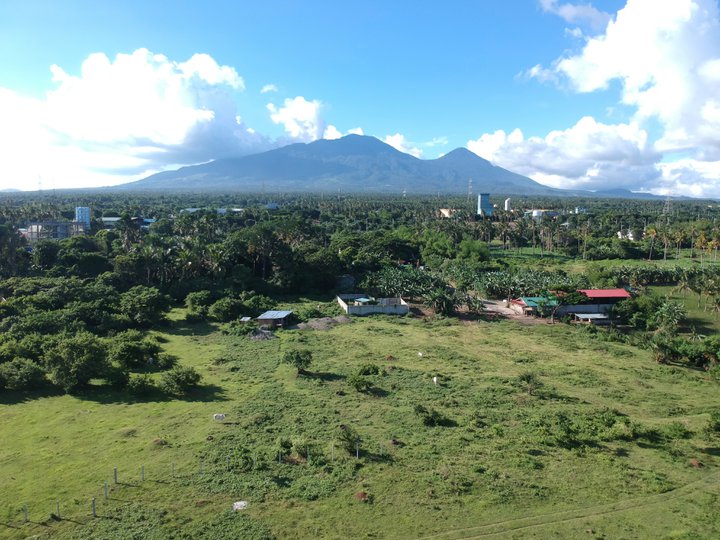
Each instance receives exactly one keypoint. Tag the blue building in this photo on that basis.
(82, 215)
(485, 207)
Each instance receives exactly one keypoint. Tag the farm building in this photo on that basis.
(360, 304)
(599, 301)
(530, 305)
(273, 319)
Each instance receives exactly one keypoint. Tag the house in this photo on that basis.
(361, 304)
(599, 301)
(531, 305)
(273, 319)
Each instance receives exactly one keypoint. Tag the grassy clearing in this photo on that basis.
(700, 319)
(541, 428)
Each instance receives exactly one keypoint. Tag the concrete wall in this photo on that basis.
(388, 306)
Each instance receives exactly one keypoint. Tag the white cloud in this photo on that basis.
(666, 57)
(577, 13)
(589, 155)
(356, 131)
(331, 133)
(121, 119)
(300, 118)
(399, 142)
(268, 88)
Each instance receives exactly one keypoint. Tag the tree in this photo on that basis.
(145, 306)
(179, 380)
(21, 374)
(442, 300)
(75, 360)
(301, 360)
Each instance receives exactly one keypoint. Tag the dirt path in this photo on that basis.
(512, 525)
(499, 307)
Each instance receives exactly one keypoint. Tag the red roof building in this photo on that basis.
(608, 294)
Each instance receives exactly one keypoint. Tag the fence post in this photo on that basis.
(94, 514)
(25, 512)
(357, 450)
(172, 469)
(227, 463)
(115, 475)
(58, 510)
(105, 490)
(142, 473)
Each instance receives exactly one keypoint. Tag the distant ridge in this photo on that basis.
(354, 163)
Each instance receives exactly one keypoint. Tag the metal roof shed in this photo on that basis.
(274, 318)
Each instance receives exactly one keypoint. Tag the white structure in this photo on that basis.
(360, 304)
(508, 207)
(82, 215)
(485, 207)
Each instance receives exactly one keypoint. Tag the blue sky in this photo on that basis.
(573, 94)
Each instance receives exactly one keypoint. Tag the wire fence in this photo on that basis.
(100, 501)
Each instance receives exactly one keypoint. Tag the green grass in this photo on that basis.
(703, 321)
(547, 432)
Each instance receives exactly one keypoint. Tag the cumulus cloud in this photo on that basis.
(589, 155)
(399, 142)
(268, 88)
(666, 58)
(300, 118)
(130, 116)
(577, 13)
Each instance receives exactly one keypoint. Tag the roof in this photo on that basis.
(535, 301)
(591, 316)
(605, 293)
(274, 314)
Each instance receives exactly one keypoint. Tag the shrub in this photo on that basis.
(349, 439)
(226, 309)
(714, 422)
(237, 328)
(198, 303)
(430, 417)
(369, 369)
(141, 385)
(165, 361)
(21, 374)
(179, 380)
(301, 360)
(359, 383)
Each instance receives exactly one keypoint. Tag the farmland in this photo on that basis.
(541, 431)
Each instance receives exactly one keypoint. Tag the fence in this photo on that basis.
(99, 502)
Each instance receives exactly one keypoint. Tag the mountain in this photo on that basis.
(355, 163)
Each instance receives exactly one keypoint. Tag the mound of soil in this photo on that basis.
(324, 323)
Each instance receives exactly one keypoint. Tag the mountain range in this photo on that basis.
(357, 164)
(354, 163)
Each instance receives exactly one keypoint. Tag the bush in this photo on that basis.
(145, 306)
(198, 303)
(21, 374)
(349, 439)
(430, 417)
(301, 360)
(237, 328)
(359, 383)
(714, 422)
(369, 369)
(226, 309)
(141, 385)
(165, 361)
(179, 380)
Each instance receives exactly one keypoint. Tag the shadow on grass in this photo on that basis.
(10, 397)
(185, 328)
(203, 393)
(711, 451)
(377, 392)
(323, 376)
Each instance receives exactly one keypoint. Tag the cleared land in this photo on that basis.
(541, 431)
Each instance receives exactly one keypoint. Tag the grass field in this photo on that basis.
(541, 432)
